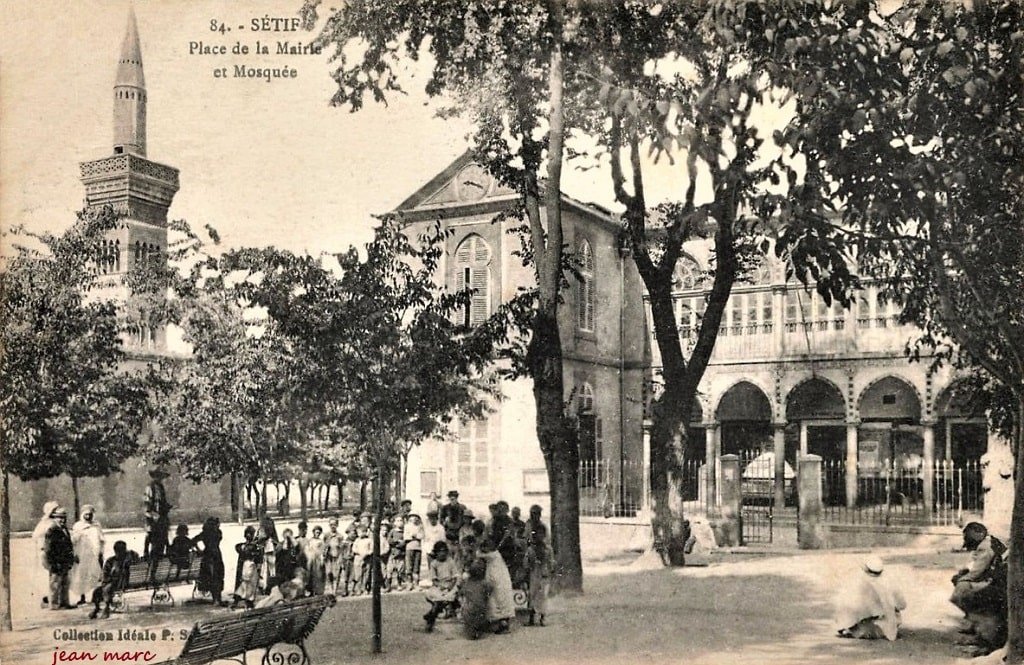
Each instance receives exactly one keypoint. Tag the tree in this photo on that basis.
(692, 81)
(65, 408)
(933, 199)
(502, 65)
(394, 364)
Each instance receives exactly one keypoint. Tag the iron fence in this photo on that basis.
(610, 489)
(890, 494)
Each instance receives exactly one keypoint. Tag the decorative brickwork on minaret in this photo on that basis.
(136, 187)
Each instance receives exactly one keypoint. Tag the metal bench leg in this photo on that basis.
(291, 657)
(162, 594)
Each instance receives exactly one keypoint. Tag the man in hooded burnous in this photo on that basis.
(157, 515)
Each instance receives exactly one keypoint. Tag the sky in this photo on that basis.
(263, 163)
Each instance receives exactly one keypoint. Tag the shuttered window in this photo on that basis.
(473, 270)
(587, 295)
(473, 453)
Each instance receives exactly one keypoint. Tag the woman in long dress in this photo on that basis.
(211, 565)
(315, 563)
(87, 538)
(501, 607)
(39, 544)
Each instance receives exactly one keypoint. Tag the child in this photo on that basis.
(348, 559)
(114, 570)
(247, 573)
(475, 593)
(181, 547)
(538, 565)
(413, 550)
(362, 550)
(395, 577)
(443, 595)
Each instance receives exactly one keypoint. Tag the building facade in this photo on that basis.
(141, 190)
(499, 457)
(789, 376)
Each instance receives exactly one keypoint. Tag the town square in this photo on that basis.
(512, 332)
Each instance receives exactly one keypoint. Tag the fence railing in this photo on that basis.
(609, 488)
(891, 494)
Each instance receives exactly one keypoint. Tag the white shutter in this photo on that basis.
(481, 300)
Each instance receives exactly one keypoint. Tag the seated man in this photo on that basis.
(980, 590)
(115, 569)
(870, 610)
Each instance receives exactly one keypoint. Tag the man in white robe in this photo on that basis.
(870, 609)
(87, 538)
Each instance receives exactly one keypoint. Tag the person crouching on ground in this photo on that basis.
(286, 591)
(443, 595)
(114, 571)
(501, 607)
(980, 590)
(871, 608)
(475, 594)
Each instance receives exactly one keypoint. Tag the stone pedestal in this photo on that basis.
(731, 525)
(811, 532)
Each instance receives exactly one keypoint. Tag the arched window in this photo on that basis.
(688, 275)
(473, 270)
(587, 293)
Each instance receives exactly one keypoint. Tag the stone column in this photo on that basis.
(779, 319)
(779, 439)
(731, 523)
(803, 438)
(928, 470)
(851, 463)
(710, 464)
(718, 467)
(646, 481)
(811, 532)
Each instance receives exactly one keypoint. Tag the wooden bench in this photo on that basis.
(159, 575)
(231, 637)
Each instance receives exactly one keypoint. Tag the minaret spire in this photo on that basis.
(130, 94)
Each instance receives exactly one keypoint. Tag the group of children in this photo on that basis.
(475, 568)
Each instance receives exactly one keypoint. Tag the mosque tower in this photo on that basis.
(139, 189)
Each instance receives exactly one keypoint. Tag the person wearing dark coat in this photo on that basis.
(211, 565)
(286, 560)
(59, 555)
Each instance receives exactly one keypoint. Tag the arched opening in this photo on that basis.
(815, 417)
(745, 415)
(962, 435)
(890, 445)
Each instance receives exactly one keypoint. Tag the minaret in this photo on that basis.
(130, 95)
(139, 189)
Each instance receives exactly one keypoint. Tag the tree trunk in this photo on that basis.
(341, 494)
(404, 485)
(262, 508)
(5, 552)
(561, 454)
(668, 441)
(327, 497)
(375, 568)
(303, 505)
(236, 488)
(77, 497)
(1015, 567)
(362, 495)
(286, 504)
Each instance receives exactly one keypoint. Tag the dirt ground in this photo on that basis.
(756, 607)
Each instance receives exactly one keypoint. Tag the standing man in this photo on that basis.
(87, 538)
(451, 517)
(157, 513)
(60, 559)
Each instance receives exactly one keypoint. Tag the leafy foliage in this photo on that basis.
(64, 406)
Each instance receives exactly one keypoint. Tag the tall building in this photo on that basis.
(604, 349)
(141, 190)
(790, 376)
